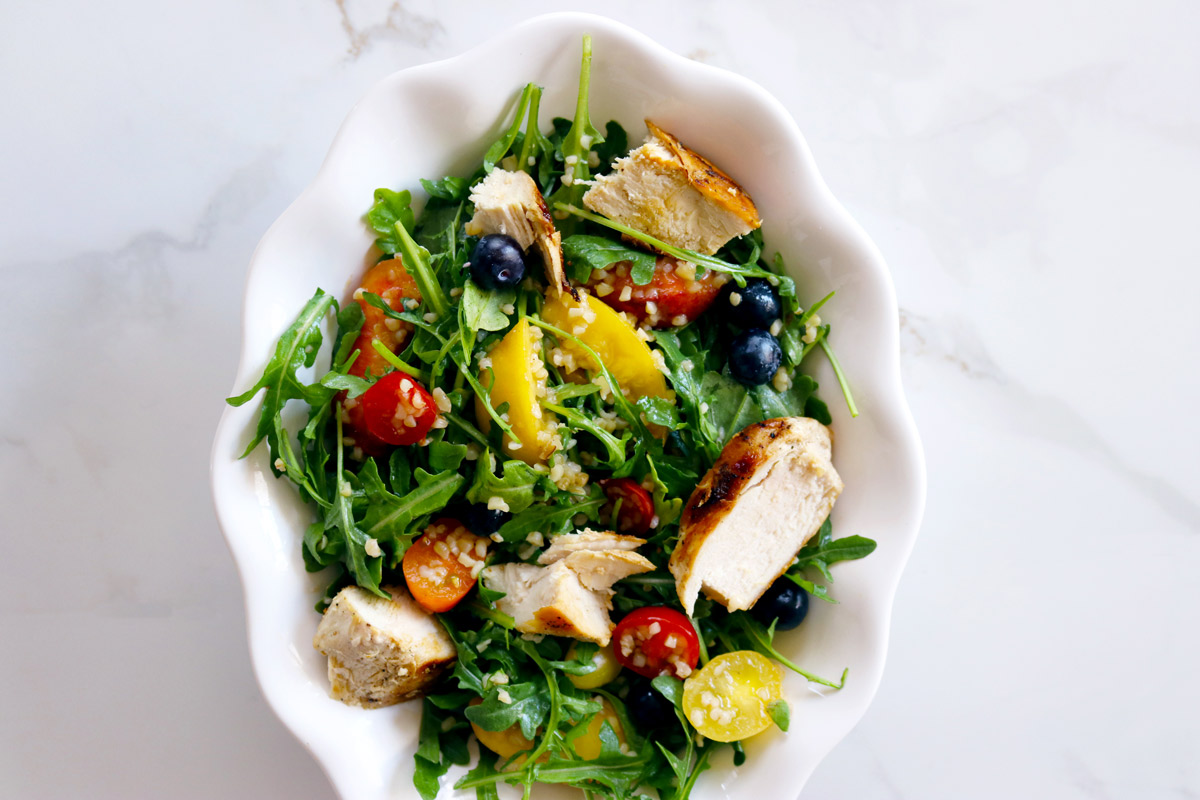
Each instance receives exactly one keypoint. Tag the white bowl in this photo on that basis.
(435, 120)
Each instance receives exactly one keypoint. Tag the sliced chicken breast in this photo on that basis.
(768, 493)
(570, 592)
(510, 203)
(674, 194)
(381, 651)
(562, 546)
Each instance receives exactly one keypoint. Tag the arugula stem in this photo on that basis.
(614, 446)
(841, 376)
(531, 128)
(807, 315)
(477, 387)
(703, 644)
(739, 271)
(622, 403)
(500, 147)
(398, 362)
(701, 764)
(552, 722)
(498, 617)
(767, 648)
(469, 429)
(416, 261)
(649, 580)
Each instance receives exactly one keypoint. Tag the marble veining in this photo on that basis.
(1028, 169)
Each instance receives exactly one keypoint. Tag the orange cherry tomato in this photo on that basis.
(637, 509)
(393, 284)
(442, 566)
(675, 295)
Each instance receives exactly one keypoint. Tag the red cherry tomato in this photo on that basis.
(676, 295)
(637, 509)
(393, 284)
(655, 641)
(397, 409)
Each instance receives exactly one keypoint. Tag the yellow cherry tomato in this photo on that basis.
(518, 377)
(506, 743)
(588, 745)
(606, 669)
(627, 357)
(727, 699)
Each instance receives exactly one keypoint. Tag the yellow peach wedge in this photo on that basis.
(635, 366)
(514, 373)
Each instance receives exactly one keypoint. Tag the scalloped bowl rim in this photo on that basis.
(260, 523)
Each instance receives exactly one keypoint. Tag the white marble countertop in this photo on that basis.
(1029, 169)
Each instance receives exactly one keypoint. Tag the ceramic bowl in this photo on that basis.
(436, 119)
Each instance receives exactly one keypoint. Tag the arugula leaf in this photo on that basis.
(428, 756)
(815, 407)
(661, 412)
(391, 211)
(514, 486)
(536, 149)
(528, 707)
(448, 188)
(789, 403)
(847, 548)
(781, 714)
(444, 455)
(366, 570)
(614, 146)
(574, 420)
(585, 253)
(388, 515)
(501, 146)
(297, 348)
(731, 407)
(548, 519)
(480, 310)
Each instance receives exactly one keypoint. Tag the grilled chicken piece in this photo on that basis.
(768, 493)
(510, 203)
(666, 190)
(381, 651)
(571, 593)
(561, 546)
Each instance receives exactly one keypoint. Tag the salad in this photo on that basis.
(568, 479)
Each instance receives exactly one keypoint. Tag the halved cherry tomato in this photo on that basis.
(637, 509)
(393, 284)
(655, 641)
(675, 295)
(397, 409)
(729, 699)
(606, 669)
(441, 566)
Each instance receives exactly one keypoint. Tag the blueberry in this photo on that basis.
(647, 708)
(481, 520)
(497, 262)
(784, 601)
(757, 304)
(754, 356)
